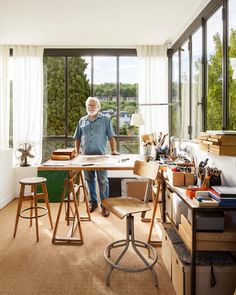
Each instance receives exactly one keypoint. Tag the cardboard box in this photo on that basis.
(175, 178)
(169, 237)
(168, 199)
(189, 179)
(166, 251)
(178, 207)
(224, 275)
(207, 240)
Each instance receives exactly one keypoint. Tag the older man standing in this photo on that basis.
(91, 136)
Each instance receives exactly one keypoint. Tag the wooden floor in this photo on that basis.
(28, 267)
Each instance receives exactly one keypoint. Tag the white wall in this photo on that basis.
(226, 164)
(20, 173)
(6, 177)
(10, 177)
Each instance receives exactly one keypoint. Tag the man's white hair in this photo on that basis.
(90, 98)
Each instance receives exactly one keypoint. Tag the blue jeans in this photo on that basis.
(103, 184)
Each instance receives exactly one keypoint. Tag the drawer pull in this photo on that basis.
(166, 238)
(177, 262)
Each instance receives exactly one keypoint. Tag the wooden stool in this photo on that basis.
(33, 198)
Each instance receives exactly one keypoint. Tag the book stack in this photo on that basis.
(225, 195)
(63, 154)
(218, 143)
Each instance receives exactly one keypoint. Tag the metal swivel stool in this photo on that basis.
(121, 207)
(33, 182)
(126, 207)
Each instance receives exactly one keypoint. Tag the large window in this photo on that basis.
(207, 72)
(214, 72)
(196, 89)
(71, 76)
(184, 54)
(175, 110)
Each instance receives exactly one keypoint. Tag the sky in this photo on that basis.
(105, 69)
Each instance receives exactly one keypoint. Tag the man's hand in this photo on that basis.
(115, 153)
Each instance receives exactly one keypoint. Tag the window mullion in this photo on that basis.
(225, 69)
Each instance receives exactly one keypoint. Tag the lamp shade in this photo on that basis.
(136, 119)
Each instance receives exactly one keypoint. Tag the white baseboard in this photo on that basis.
(6, 200)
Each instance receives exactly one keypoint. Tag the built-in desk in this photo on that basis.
(196, 241)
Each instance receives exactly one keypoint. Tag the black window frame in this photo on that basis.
(92, 52)
(201, 21)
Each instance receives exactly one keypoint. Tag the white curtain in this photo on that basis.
(4, 97)
(28, 98)
(153, 87)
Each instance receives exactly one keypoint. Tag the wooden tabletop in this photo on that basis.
(94, 162)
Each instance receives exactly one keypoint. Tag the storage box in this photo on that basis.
(169, 236)
(175, 178)
(178, 207)
(204, 199)
(168, 199)
(166, 251)
(210, 221)
(208, 241)
(189, 179)
(224, 274)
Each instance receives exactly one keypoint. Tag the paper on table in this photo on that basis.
(89, 161)
(56, 163)
(95, 160)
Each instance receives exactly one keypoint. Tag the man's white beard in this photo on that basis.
(92, 113)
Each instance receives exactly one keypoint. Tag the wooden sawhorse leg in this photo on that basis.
(82, 186)
(69, 197)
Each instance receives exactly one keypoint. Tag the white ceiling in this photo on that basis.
(95, 23)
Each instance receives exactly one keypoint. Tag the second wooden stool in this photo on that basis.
(33, 182)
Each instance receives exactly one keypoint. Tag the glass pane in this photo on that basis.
(88, 71)
(78, 90)
(128, 94)
(51, 145)
(232, 65)
(214, 71)
(128, 146)
(175, 110)
(197, 83)
(105, 85)
(54, 96)
(184, 91)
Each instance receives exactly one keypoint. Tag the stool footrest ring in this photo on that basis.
(126, 243)
(137, 243)
(31, 208)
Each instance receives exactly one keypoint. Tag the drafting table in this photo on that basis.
(75, 167)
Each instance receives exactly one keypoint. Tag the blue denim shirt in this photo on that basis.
(93, 135)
